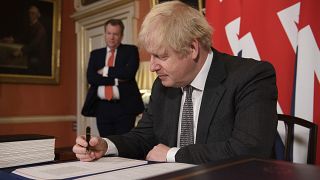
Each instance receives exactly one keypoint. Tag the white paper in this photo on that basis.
(77, 168)
(16, 153)
(140, 172)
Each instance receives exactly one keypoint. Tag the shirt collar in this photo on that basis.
(200, 80)
(109, 49)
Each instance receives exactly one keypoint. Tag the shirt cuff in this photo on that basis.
(171, 154)
(116, 82)
(105, 71)
(112, 149)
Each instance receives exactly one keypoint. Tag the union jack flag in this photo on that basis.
(285, 33)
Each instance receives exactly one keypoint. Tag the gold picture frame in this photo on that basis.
(198, 4)
(30, 41)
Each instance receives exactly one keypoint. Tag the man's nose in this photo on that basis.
(154, 66)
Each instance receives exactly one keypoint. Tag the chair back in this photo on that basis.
(289, 123)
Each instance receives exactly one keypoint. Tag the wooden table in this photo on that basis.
(247, 169)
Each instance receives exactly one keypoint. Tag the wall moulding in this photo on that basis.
(97, 7)
(33, 119)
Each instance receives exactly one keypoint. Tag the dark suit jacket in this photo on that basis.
(126, 66)
(237, 115)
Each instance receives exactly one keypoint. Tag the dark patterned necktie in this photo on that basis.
(186, 136)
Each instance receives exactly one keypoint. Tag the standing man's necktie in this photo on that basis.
(108, 89)
(186, 136)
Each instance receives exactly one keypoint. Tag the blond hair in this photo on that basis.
(176, 25)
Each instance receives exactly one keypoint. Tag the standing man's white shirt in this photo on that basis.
(115, 90)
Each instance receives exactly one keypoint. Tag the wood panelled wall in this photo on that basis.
(24, 101)
(27, 100)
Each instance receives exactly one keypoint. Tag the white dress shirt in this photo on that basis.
(115, 90)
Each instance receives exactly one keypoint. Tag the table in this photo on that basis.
(246, 168)
(250, 168)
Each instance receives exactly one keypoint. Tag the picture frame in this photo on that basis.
(88, 2)
(197, 4)
(30, 41)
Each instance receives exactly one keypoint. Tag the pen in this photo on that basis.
(88, 136)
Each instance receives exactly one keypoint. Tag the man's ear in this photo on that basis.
(195, 48)
(121, 38)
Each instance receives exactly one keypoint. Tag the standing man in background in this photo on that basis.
(113, 97)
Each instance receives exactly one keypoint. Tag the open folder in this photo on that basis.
(104, 168)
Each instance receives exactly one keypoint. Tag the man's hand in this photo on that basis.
(100, 71)
(158, 153)
(98, 148)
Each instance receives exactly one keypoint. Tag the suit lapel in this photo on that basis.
(118, 55)
(102, 57)
(212, 95)
(171, 115)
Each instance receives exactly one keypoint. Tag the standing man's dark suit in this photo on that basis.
(113, 98)
(130, 103)
(233, 121)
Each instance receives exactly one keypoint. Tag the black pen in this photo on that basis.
(88, 136)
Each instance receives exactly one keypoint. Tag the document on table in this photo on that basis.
(77, 168)
(140, 172)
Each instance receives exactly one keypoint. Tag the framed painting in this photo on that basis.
(197, 4)
(30, 41)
